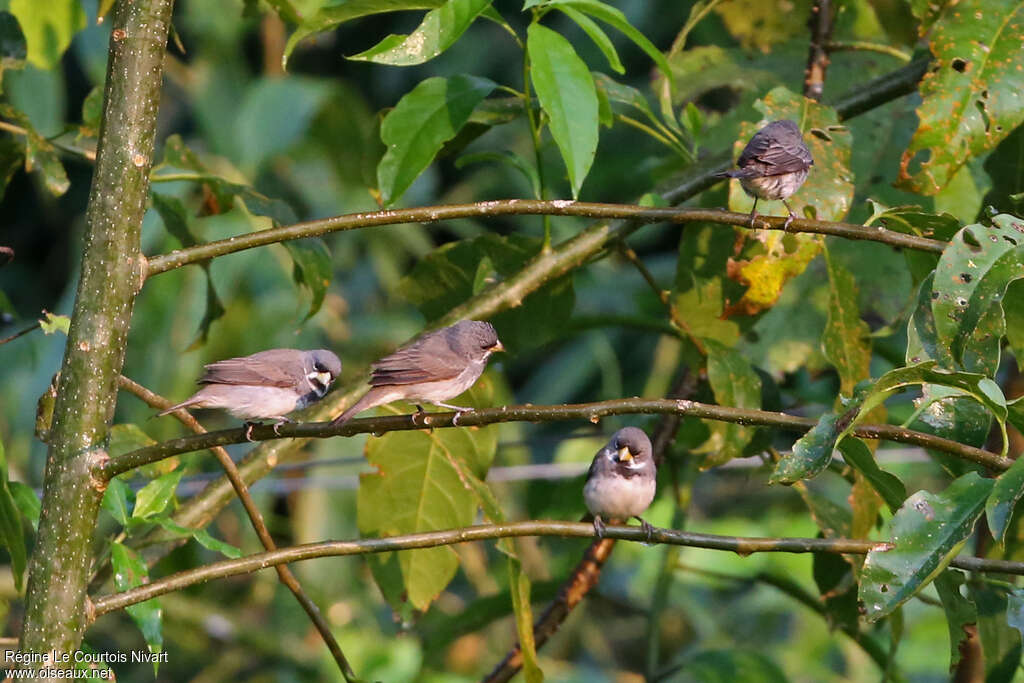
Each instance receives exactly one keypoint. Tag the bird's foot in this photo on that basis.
(599, 526)
(648, 529)
(459, 411)
(248, 429)
(280, 421)
(420, 416)
(789, 221)
(753, 219)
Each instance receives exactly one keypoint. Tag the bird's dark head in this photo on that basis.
(631, 447)
(322, 368)
(480, 339)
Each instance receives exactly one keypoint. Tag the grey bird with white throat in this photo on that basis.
(622, 480)
(773, 165)
(436, 367)
(269, 384)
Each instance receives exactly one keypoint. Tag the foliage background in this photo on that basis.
(309, 137)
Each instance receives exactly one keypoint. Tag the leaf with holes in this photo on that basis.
(811, 453)
(970, 281)
(925, 535)
(423, 481)
(439, 30)
(971, 95)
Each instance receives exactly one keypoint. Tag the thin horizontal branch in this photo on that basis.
(432, 539)
(530, 413)
(867, 46)
(527, 207)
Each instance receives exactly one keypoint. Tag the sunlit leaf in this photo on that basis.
(971, 94)
(423, 120)
(438, 31)
(202, 536)
(925, 535)
(567, 95)
(154, 497)
(115, 500)
(596, 34)
(52, 323)
(48, 28)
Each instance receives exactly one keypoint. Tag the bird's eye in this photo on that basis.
(319, 367)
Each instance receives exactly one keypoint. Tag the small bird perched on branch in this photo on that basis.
(269, 384)
(773, 165)
(436, 367)
(622, 480)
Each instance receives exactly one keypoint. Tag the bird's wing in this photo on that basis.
(259, 369)
(779, 156)
(429, 359)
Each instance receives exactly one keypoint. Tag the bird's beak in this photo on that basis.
(625, 455)
(498, 347)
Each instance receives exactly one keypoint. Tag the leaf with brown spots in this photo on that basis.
(973, 95)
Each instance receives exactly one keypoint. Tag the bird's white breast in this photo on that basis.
(617, 497)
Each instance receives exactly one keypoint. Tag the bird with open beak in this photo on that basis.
(438, 366)
(622, 480)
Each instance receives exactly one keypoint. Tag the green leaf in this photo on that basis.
(971, 94)
(92, 113)
(1006, 173)
(1008, 489)
(519, 587)
(12, 156)
(423, 482)
(846, 335)
(154, 497)
(130, 572)
(701, 289)
(12, 533)
(40, 154)
(312, 269)
(115, 500)
(811, 454)
(925, 534)
(51, 323)
(422, 121)
(913, 220)
(960, 612)
(506, 157)
(48, 28)
(127, 437)
(454, 272)
(438, 31)
(735, 384)
(970, 281)
(27, 501)
(858, 455)
(202, 536)
(1000, 641)
(600, 38)
(330, 17)
(567, 95)
(615, 18)
(1015, 609)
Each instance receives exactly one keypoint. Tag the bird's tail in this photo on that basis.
(184, 404)
(368, 400)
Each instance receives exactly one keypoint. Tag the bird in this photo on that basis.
(269, 384)
(438, 366)
(622, 479)
(773, 165)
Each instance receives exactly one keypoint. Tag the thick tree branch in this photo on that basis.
(530, 413)
(432, 539)
(284, 574)
(528, 207)
(112, 274)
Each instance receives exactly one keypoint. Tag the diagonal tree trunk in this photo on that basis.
(112, 272)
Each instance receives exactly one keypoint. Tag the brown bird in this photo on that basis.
(436, 367)
(773, 165)
(268, 384)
